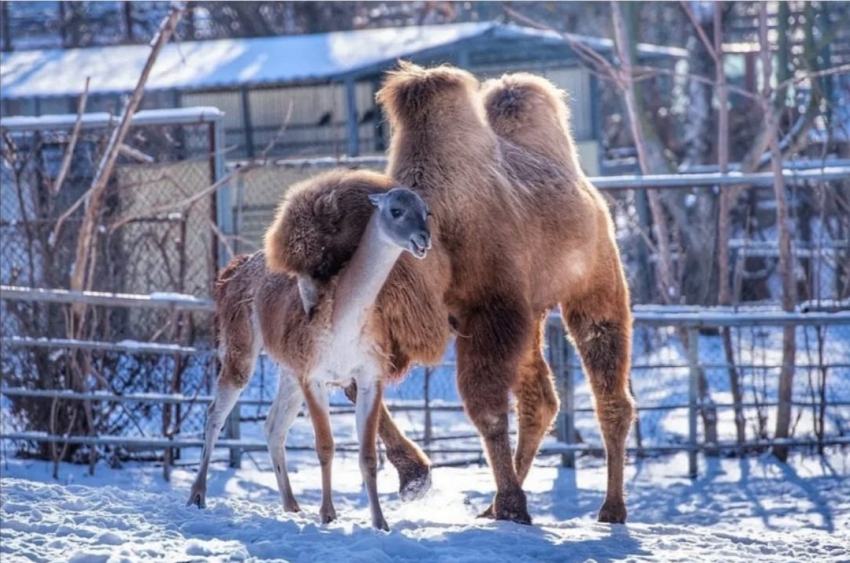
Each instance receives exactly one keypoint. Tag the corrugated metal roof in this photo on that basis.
(204, 65)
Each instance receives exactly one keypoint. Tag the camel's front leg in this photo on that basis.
(316, 395)
(413, 466)
(487, 365)
(368, 412)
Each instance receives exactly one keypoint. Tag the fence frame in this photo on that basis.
(560, 354)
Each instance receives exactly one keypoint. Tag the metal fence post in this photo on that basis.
(559, 361)
(693, 363)
(224, 221)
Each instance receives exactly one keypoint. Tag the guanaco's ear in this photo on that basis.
(376, 199)
(309, 294)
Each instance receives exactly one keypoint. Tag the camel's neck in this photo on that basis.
(362, 280)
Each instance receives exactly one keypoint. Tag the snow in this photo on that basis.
(753, 509)
(265, 60)
(101, 119)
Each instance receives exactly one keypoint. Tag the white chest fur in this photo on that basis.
(346, 351)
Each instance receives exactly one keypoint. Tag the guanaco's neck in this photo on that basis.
(361, 282)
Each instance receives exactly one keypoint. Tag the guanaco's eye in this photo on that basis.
(396, 213)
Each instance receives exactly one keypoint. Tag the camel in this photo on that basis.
(524, 231)
(345, 336)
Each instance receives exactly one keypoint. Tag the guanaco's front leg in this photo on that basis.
(368, 412)
(316, 396)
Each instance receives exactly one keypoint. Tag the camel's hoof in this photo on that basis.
(327, 515)
(511, 506)
(613, 512)
(415, 484)
(198, 496)
(488, 513)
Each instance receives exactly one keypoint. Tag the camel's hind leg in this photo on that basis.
(284, 410)
(600, 327)
(316, 395)
(537, 405)
(537, 402)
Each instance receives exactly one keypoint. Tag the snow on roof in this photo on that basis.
(220, 63)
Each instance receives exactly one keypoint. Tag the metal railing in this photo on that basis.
(560, 356)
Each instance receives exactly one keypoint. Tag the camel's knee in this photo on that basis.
(605, 349)
(615, 414)
(491, 426)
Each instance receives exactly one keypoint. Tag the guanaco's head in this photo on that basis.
(403, 220)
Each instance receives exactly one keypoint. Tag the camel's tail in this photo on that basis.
(530, 111)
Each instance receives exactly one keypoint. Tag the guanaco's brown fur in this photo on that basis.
(407, 323)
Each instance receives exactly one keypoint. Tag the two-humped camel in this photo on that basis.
(524, 231)
(344, 338)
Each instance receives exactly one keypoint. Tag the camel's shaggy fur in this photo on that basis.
(523, 231)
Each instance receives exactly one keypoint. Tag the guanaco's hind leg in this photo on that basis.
(316, 395)
(236, 371)
(283, 412)
(600, 327)
(413, 466)
(537, 405)
(368, 413)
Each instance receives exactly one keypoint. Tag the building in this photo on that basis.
(324, 83)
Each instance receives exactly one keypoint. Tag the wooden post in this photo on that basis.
(559, 361)
(693, 361)
(351, 124)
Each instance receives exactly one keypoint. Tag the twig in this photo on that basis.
(104, 171)
(136, 154)
(700, 31)
(72, 143)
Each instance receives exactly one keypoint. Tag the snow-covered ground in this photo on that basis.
(752, 509)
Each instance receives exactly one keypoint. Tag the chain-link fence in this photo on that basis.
(155, 235)
(166, 231)
(736, 387)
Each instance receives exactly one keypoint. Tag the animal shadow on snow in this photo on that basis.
(729, 500)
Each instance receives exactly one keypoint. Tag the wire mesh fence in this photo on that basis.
(154, 244)
(155, 235)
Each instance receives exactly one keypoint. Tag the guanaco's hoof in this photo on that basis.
(613, 512)
(327, 515)
(380, 524)
(415, 484)
(198, 497)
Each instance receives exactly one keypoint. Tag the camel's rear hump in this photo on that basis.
(530, 111)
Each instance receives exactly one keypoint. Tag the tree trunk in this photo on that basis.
(786, 260)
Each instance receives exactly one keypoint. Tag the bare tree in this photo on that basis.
(786, 260)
